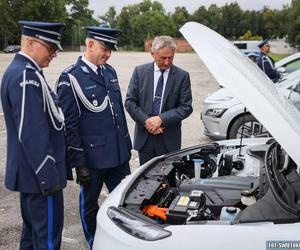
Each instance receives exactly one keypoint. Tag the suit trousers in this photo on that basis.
(43, 219)
(89, 195)
(154, 146)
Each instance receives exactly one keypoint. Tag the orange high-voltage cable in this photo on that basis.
(155, 211)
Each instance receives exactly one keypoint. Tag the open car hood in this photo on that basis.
(249, 84)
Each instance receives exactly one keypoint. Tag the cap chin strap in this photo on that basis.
(43, 30)
(105, 39)
(77, 89)
(47, 39)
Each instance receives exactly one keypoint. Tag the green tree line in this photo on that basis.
(148, 19)
(74, 13)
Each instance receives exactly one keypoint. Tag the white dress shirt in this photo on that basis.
(91, 65)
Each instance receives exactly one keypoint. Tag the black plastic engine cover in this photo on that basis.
(220, 191)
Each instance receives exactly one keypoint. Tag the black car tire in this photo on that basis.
(251, 125)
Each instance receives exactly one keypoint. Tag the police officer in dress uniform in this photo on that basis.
(35, 164)
(265, 62)
(98, 143)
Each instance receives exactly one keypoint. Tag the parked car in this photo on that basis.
(225, 117)
(249, 190)
(12, 49)
(247, 46)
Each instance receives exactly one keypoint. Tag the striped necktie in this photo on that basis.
(158, 94)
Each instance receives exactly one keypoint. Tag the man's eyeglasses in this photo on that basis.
(51, 48)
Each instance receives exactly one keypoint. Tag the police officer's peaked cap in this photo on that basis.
(49, 32)
(262, 43)
(106, 35)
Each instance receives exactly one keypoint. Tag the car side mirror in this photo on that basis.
(281, 70)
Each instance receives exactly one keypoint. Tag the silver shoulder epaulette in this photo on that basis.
(70, 68)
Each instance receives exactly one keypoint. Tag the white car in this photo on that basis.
(288, 64)
(248, 194)
(225, 117)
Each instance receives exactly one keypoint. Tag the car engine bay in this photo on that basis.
(233, 184)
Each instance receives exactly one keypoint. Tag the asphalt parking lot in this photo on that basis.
(124, 63)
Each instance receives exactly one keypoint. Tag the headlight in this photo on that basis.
(217, 113)
(135, 226)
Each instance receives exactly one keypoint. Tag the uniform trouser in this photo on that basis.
(153, 147)
(88, 199)
(43, 218)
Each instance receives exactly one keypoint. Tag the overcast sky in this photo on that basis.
(100, 7)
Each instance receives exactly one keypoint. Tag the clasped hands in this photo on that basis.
(153, 125)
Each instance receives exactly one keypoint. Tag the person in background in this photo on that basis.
(158, 98)
(265, 62)
(35, 164)
(98, 142)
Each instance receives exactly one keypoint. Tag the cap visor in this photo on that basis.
(111, 46)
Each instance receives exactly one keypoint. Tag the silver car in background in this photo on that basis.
(225, 117)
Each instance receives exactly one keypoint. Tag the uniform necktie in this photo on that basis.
(158, 94)
(100, 71)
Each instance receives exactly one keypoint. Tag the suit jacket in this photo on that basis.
(35, 149)
(176, 104)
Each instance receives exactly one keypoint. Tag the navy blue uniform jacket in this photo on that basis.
(266, 64)
(95, 139)
(35, 149)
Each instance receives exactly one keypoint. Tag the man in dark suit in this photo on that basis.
(35, 164)
(158, 98)
(265, 62)
(98, 142)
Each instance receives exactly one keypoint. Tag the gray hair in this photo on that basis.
(161, 42)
